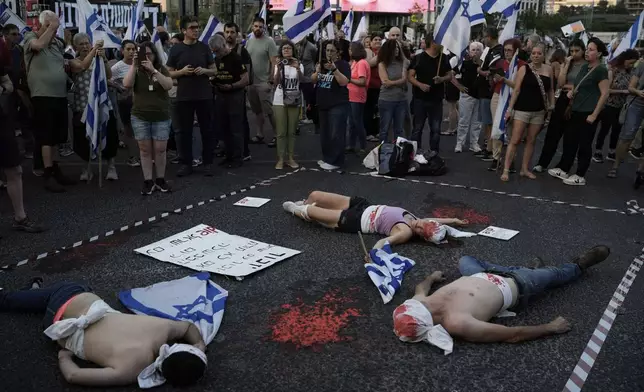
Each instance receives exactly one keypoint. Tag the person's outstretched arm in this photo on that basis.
(94, 377)
(477, 331)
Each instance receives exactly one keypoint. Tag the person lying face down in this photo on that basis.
(129, 348)
(464, 307)
(357, 214)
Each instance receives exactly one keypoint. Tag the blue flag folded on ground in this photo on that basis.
(386, 270)
(195, 299)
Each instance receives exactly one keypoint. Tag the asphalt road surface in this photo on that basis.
(315, 322)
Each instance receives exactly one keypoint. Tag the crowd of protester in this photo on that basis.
(372, 90)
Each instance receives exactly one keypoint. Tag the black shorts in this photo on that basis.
(9, 150)
(51, 119)
(350, 219)
(452, 94)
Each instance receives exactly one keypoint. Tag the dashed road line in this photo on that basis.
(474, 188)
(588, 357)
(162, 215)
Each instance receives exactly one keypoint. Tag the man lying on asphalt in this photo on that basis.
(463, 308)
(127, 347)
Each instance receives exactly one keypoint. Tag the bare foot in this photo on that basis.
(505, 177)
(528, 174)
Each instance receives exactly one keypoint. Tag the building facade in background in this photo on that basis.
(552, 6)
(634, 6)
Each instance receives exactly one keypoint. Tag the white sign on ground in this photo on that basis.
(498, 233)
(254, 202)
(204, 248)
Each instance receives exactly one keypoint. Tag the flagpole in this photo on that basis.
(89, 162)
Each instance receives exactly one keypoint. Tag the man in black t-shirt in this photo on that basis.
(428, 73)
(231, 32)
(230, 81)
(468, 104)
(191, 63)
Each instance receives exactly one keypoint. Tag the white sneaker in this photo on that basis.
(320, 162)
(327, 166)
(575, 180)
(293, 208)
(538, 169)
(111, 173)
(458, 148)
(558, 173)
(475, 149)
(86, 175)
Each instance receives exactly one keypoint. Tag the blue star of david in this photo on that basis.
(465, 4)
(186, 311)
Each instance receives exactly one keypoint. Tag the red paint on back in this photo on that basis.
(307, 325)
(473, 217)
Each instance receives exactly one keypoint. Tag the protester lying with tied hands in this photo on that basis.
(127, 347)
(464, 307)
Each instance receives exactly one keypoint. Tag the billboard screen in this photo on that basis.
(384, 6)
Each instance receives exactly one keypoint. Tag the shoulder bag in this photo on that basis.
(568, 112)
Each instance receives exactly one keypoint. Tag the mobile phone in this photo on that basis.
(141, 55)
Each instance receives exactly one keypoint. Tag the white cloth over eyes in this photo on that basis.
(151, 376)
(413, 315)
(73, 329)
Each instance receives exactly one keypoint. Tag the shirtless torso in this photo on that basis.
(124, 344)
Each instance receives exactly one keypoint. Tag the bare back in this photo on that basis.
(118, 338)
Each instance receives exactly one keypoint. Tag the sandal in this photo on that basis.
(505, 177)
(612, 173)
(272, 143)
(256, 140)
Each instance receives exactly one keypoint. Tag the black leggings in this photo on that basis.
(555, 131)
(371, 124)
(186, 112)
(609, 118)
(578, 140)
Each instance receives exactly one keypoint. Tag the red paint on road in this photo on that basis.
(307, 325)
(473, 217)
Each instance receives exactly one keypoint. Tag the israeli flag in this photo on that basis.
(195, 299)
(95, 26)
(506, 7)
(97, 111)
(387, 270)
(212, 27)
(299, 21)
(330, 29)
(262, 12)
(362, 29)
(60, 33)
(499, 127)
(7, 16)
(510, 25)
(347, 26)
(475, 13)
(630, 39)
(452, 29)
(156, 40)
(165, 24)
(134, 27)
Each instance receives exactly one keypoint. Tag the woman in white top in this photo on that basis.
(286, 103)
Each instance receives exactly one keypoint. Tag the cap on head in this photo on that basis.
(183, 369)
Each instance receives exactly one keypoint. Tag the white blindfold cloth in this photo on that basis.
(152, 376)
(413, 323)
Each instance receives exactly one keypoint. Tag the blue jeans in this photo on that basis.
(432, 112)
(356, 126)
(46, 299)
(333, 133)
(530, 281)
(391, 111)
(634, 117)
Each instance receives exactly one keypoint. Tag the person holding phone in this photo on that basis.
(150, 82)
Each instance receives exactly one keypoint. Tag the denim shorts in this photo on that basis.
(633, 121)
(146, 130)
(485, 112)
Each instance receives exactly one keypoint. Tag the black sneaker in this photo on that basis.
(611, 157)
(487, 156)
(247, 158)
(184, 171)
(175, 160)
(592, 256)
(161, 185)
(637, 153)
(27, 226)
(480, 154)
(50, 182)
(598, 157)
(272, 143)
(494, 165)
(208, 170)
(148, 187)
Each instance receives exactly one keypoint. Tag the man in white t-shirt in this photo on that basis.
(124, 98)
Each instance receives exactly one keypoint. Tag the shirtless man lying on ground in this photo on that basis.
(127, 347)
(463, 308)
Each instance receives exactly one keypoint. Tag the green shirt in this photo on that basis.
(261, 51)
(588, 92)
(46, 75)
(152, 106)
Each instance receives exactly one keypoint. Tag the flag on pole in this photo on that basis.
(511, 24)
(97, 111)
(9, 17)
(506, 7)
(165, 24)
(262, 12)
(452, 29)
(136, 21)
(212, 27)
(91, 23)
(330, 29)
(362, 28)
(499, 127)
(60, 33)
(476, 13)
(299, 21)
(630, 39)
(584, 37)
(156, 40)
(347, 26)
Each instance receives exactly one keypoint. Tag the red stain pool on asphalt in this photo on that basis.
(305, 325)
(473, 217)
